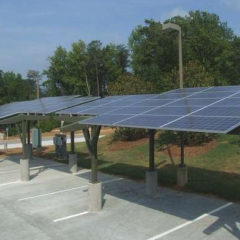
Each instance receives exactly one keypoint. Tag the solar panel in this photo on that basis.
(132, 110)
(189, 90)
(192, 102)
(213, 109)
(174, 111)
(106, 119)
(42, 106)
(204, 124)
(219, 111)
(229, 102)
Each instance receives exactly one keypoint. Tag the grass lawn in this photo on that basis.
(216, 172)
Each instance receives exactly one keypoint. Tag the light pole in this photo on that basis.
(178, 28)
(182, 177)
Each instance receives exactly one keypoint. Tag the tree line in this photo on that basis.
(211, 56)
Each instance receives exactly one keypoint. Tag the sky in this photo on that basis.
(30, 30)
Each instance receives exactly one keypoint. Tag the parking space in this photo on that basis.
(54, 205)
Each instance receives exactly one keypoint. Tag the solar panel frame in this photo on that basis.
(212, 92)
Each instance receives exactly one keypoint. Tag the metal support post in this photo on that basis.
(24, 162)
(94, 187)
(73, 161)
(182, 173)
(72, 143)
(28, 132)
(151, 150)
(151, 174)
(182, 164)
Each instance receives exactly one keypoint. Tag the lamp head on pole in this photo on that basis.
(171, 26)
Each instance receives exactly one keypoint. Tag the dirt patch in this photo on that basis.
(175, 150)
(120, 145)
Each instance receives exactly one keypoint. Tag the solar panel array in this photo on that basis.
(212, 109)
(42, 106)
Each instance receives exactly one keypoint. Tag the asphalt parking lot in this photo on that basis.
(54, 205)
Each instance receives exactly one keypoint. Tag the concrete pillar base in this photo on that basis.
(182, 176)
(95, 197)
(39, 151)
(73, 166)
(151, 182)
(24, 169)
(29, 153)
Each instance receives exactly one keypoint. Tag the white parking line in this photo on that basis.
(62, 191)
(71, 216)
(52, 193)
(35, 168)
(190, 222)
(4, 184)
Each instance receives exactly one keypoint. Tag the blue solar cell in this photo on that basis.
(173, 95)
(97, 110)
(219, 111)
(139, 121)
(204, 124)
(74, 110)
(104, 119)
(114, 98)
(229, 102)
(145, 121)
(42, 105)
(152, 103)
(173, 111)
(141, 97)
(215, 95)
(236, 95)
(131, 110)
(193, 102)
(224, 89)
(189, 90)
(120, 103)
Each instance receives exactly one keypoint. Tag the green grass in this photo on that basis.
(216, 172)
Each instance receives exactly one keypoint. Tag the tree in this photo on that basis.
(129, 84)
(205, 39)
(57, 72)
(77, 76)
(14, 88)
(94, 50)
(195, 75)
(85, 69)
(36, 77)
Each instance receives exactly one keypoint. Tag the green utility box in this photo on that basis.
(36, 137)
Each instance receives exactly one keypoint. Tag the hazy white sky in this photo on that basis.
(30, 30)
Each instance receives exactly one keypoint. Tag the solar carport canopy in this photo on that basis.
(207, 109)
(43, 106)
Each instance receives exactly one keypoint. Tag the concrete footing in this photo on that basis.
(73, 163)
(182, 176)
(24, 169)
(151, 182)
(29, 153)
(95, 197)
(39, 151)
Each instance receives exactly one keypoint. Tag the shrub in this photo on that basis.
(48, 125)
(129, 134)
(168, 138)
